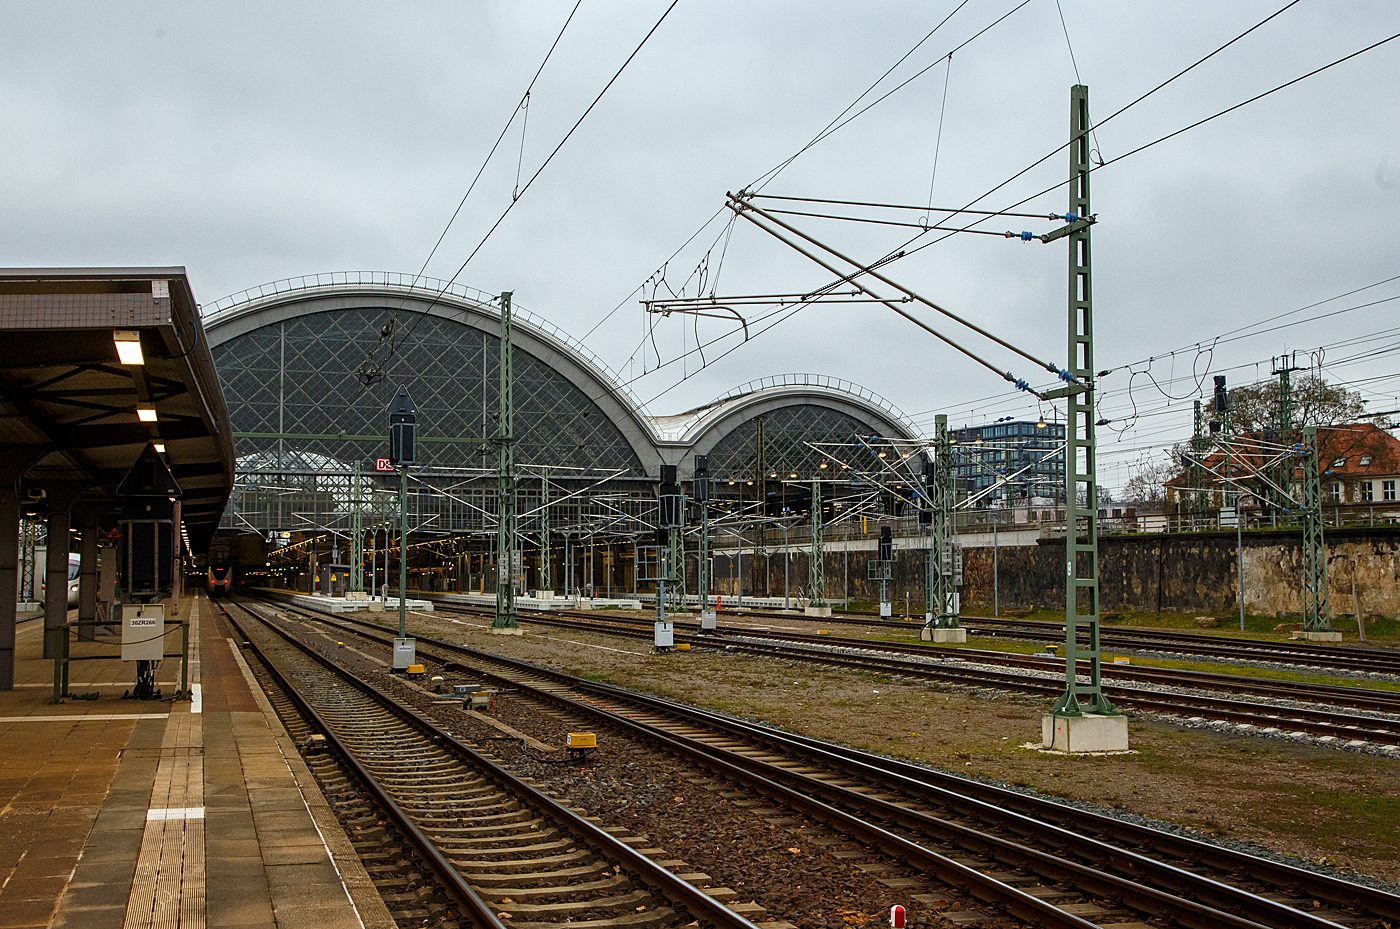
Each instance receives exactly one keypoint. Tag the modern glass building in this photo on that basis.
(1021, 455)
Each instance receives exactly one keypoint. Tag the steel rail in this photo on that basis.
(1146, 898)
(660, 880)
(1318, 722)
(452, 881)
(1357, 698)
(1319, 886)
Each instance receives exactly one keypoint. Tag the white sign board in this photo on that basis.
(143, 632)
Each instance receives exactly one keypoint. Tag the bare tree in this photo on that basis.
(1146, 484)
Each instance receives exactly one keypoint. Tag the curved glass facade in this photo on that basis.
(786, 432)
(302, 420)
(296, 383)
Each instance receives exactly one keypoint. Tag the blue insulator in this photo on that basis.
(1071, 217)
(1022, 385)
(1027, 236)
(1065, 376)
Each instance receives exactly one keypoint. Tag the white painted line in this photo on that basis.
(196, 698)
(75, 718)
(188, 812)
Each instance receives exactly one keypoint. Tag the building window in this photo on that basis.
(1366, 492)
(1339, 463)
(1387, 490)
(1335, 492)
(1365, 460)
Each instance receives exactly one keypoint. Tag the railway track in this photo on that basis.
(505, 852)
(1356, 698)
(1087, 868)
(969, 668)
(1342, 657)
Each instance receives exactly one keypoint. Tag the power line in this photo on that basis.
(480, 171)
(545, 164)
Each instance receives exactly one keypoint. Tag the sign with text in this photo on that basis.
(383, 464)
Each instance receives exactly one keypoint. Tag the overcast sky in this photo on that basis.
(251, 142)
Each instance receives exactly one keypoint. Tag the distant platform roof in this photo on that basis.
(72, 411)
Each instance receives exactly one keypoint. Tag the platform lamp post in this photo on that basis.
(403, 429)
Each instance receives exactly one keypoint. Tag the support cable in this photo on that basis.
(745, 210)
(742, 207)
(1174, 134)
(480, 171)
(568, 135)
(938, 140)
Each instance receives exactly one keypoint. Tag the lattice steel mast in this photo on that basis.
(816, 560)
(942, 613)
(505, 483)
(546, 570)
(1318, 611)
(1081, 479)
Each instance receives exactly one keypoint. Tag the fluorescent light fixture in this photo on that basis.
(147, 414)
(128, 342)
(159, 447)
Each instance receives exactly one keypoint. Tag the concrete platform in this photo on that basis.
(116, 813)
(345, 605)
(1083, 734)
(540, 603)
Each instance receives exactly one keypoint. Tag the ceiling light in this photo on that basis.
(147, 414)
(128, 342)
(882, 454)
(159, 447)
(822, 465)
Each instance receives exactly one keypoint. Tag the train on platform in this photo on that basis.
(218, 581)
(74, 566)
(235, 561)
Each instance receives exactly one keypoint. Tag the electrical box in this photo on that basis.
(665, 635)
(405, 653)
(143, 632)
(583, 740)
(950, 561)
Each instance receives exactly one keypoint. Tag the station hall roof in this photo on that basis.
(72, 414)
(349, 307)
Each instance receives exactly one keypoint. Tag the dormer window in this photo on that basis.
(1339, 463)
(1365, 460)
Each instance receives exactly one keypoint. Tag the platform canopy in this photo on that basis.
(96, 366)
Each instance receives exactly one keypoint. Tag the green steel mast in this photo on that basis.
(1081, 465)
(816, 561)
(505, 483)
(357, 544)
(941, 557)
(1317, 616)
(546, 569)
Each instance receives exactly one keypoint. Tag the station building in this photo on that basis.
(298, 359)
